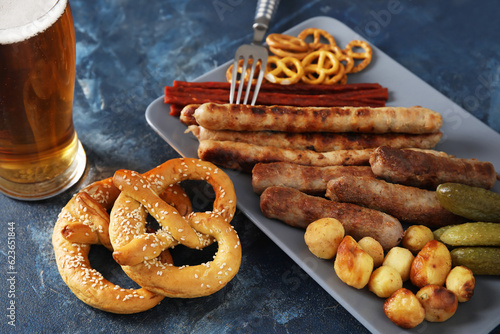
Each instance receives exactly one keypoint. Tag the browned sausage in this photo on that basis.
(243, 156)
(308, 179)
(241, 117)
(428, 170)
(408, 204)
(295, 208)
(187, 114)
(320, 141)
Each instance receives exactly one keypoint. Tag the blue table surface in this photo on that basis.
(127, 51)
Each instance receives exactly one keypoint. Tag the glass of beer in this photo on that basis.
(40, 154)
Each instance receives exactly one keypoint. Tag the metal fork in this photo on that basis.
(254, 51)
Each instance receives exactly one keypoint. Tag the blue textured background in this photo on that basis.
(127, 51)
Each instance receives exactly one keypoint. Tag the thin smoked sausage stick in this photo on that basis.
(182, 93)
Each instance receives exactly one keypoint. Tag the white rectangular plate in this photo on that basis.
(464, 136)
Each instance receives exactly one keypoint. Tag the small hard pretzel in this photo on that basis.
(128, 220)
(343, 57)
(286, 42)
(366, 56)
(318, 65)
(285, 71)
(82, 222)
(317, 34)
(337, 77)
(287, 46)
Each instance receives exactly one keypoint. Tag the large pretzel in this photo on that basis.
(82, 222)
(284, 71)
(140, 194)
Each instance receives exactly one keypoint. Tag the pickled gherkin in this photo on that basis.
(481, 260)
(470, 234)
(440, 231)
(473, 203)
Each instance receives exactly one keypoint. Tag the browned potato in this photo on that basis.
(352, 264)
(404, 309)
(439, 303)
(323, 237)
(400, 259)
(461, 281)
(374, 249)
(431, 265)
(384, 281)
(415, 237)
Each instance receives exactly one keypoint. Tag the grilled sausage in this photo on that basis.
(428, 169)
(320, 141)
(240, 117)
(243, 156)
(187, 114)
(297, 209)
(408, 204)
(308, 179)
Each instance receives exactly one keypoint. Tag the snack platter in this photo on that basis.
(463, 136)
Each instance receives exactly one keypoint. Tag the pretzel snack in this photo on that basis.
(285, 71)
(317, 35)
(319, 65)
(198, 229)
(365, 56)
(84, 221)
(287, 46)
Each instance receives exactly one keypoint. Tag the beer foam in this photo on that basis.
(23, 19)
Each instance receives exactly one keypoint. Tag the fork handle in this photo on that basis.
(263, 15)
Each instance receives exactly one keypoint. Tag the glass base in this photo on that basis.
(50, 188)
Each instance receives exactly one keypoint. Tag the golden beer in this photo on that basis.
(40, 154)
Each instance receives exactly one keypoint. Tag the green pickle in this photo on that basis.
(473, 203)
(470, 234)
(481, 260)
(440, 231)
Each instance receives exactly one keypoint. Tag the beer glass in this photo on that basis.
(40, 154)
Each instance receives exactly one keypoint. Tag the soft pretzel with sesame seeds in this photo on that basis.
(83, 222)
(137, 252)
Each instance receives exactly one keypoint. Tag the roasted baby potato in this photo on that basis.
(415, 237)
(400, 259)
(404, 309)
(384, 281)
(374, 249)
(431, 265)
(461, 281)
(352, 264)
(439, 303)
(323, 237)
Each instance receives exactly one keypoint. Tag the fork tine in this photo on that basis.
(260, 78)
(242, 78)
(250, 79)
(233, 80)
